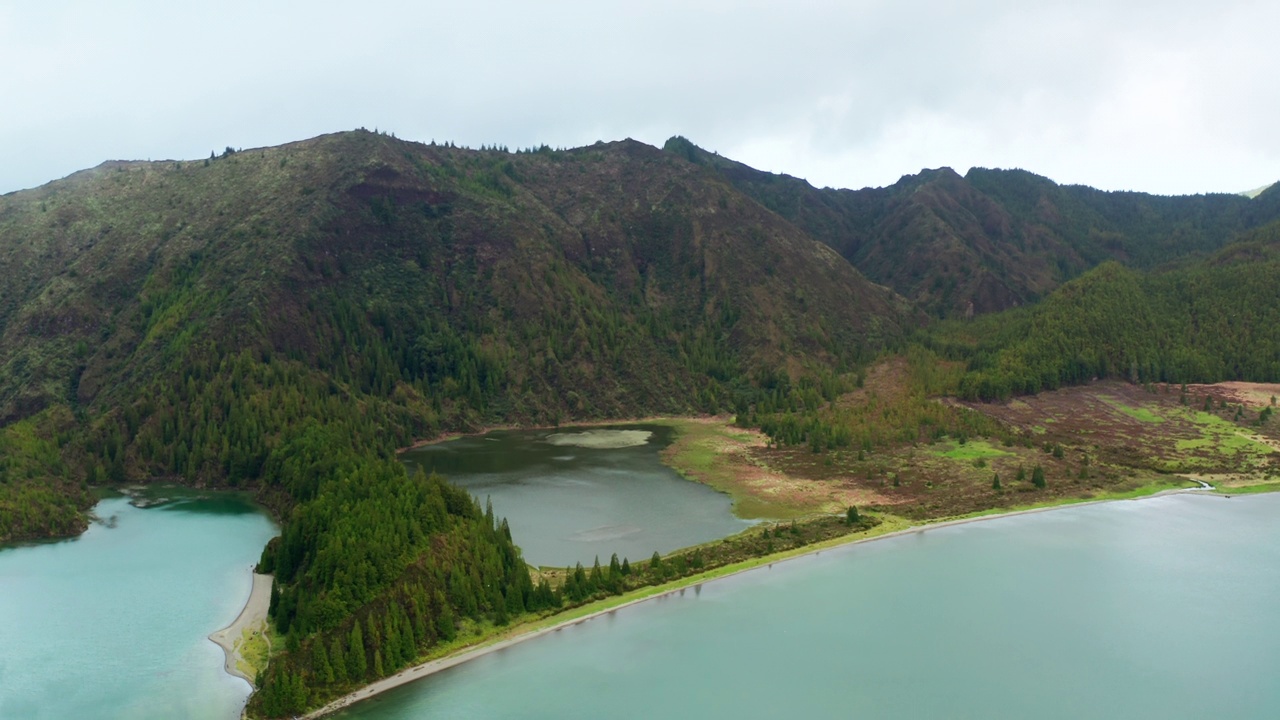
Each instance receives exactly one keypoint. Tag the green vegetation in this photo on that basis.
(282, 320)
(375, 568)
(1207, 322)
(327, 664)
(1137, 413)
(38, 495)
(717, 455)
(255, 646)
(895, 406)
(970, 450)
(993, 239)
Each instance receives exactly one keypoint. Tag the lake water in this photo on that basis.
(573, 494)
(114, 623)
(1160, 608)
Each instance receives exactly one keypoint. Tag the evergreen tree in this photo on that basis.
(445, 626)
(357, 663)
(320, 664)
(338, 660)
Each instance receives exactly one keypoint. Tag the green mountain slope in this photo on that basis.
(1208, 321)
(993, 239)
(283, 319)
(118, 272)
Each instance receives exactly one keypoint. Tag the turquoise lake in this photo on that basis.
(1161, 608)
(114, 623)
(574, 494)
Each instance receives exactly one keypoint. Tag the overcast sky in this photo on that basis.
(1166, 97)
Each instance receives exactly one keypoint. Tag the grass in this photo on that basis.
(971, 450)
(699, 454)
(256, 648)
(1262, 487)
(1144, 490)
(1140, 414)
(1222, 436)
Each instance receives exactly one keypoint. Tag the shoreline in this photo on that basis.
(253, 614)
(534, 630)
(649, 419)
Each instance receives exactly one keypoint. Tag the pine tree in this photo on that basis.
(337, 660)
(597, 577)
(357, 663)
(445, 624)
(320, 664)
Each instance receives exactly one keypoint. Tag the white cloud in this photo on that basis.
(1163, 97)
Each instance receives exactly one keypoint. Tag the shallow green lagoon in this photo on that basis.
(574, 494)
(1160, 608)
(114, 624)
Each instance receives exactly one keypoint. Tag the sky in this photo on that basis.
(1169, 97)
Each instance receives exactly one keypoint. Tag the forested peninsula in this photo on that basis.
(283, 320)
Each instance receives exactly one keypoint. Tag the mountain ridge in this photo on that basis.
(991, 239)
(449, 288)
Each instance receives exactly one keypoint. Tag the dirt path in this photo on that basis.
(254, 614)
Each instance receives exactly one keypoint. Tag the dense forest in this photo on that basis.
(283, 320)
(1202, 321)
(1205, 322)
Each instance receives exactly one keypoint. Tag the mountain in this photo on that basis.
(992, 239)
(115, 274)
(283, 319)
(183, 321)
(1212, 320)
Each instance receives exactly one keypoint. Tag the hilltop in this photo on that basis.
(992, 239)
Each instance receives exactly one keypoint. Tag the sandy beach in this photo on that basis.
(418, 672)
(253, 615)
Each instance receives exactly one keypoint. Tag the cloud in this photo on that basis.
(1164, 97)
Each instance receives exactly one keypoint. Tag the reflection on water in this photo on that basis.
(1160, 608)
(612, 494)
